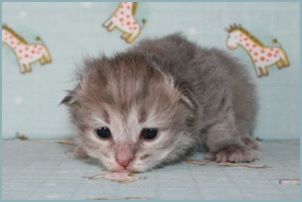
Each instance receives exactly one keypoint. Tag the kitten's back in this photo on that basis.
(209, 74)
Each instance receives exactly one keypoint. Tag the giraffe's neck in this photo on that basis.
(245, 41)
(11, 40)
(127, 6)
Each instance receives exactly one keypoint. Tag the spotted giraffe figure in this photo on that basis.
(261, 55)
(124, 20)
(26, 53)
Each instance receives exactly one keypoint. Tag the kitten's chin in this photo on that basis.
(135, 169)
(116, 168)
(128, 169)
(140, 168)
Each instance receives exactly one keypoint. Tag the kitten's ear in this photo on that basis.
(186, 95)
(68, 99)
(71, 97)
(187, 99)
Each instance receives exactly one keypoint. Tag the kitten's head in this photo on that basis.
(130, 114)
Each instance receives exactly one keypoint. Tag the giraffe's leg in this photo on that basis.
(265, 71)
(49, 58)
(42, 60)
(283, 58)
(134, 36)
(27, 68)
(258, 71)
(107, 23)
(22, 68)
(284, 63)
(280, 64)
(125, 35)
(45, 58)
(131, 38)
(109, 26)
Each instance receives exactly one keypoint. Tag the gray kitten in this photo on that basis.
(157, 101)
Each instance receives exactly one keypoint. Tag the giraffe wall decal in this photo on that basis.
(26, 53)
(262, 56)
(123, 19)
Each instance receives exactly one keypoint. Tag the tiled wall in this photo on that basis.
(72, 31)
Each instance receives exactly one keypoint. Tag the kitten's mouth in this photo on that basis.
(129, 169)
(119, 168)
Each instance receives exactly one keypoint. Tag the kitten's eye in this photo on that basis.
(103, 132)
(149, 133)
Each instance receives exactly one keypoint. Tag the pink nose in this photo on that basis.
(124, 157)
(124, 162)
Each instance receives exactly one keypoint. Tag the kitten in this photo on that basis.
(160, 99)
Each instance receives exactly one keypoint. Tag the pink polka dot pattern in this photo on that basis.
(124, 19)
(262, 56)
(27, 54)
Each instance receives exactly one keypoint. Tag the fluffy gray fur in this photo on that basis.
(196, 97)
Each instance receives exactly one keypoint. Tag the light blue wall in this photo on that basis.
(74, 30)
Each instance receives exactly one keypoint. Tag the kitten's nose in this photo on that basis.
(124, 157)
(124, 162)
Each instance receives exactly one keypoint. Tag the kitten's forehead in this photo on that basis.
(127, 82)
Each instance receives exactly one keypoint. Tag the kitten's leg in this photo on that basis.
(226, 144)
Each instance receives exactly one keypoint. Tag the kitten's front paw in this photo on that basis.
(234, 154)
(250, 142)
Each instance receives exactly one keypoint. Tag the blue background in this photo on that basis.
(73, 31)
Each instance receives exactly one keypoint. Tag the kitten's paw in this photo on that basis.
(250, 142)
(236, 154)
